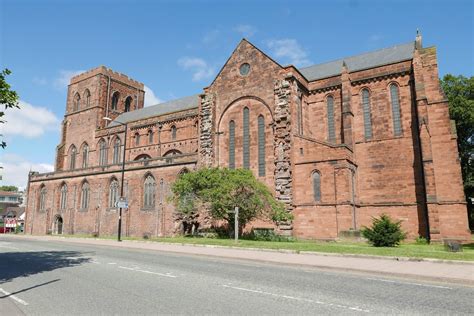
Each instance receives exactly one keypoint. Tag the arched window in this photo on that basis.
(63, 200)
(367, 115)
(231, 145)
(173, 132)
(316, 186)
(77, 102)
(142, 157)
(42, 201)
(397, 123)
(117, 145)
(172, 152)
(246, 141)
(331, 127)
(85, 196)
(150, 137)
(113, 193)
(102, 152)
(137, 139)
(149, 192)
(85, 155)
(72, 157)
(261, 146)
(128, 103)
(115, 100)
(87, 97)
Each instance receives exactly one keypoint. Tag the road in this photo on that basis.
(61, 278)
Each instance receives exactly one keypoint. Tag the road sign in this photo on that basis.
(122, 204)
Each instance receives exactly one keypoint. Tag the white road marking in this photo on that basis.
(111, 263)
(9, 247)
(354, 308)
(409, 283)
(13, 297)
(96, 262)
(168, 275)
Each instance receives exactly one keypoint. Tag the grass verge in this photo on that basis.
(410, 250)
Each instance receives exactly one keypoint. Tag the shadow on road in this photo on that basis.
(23, 264)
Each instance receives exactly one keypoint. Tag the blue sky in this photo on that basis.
(177, 47)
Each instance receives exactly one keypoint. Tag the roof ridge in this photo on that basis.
(357, 55)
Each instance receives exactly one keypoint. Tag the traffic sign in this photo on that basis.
(122, 204)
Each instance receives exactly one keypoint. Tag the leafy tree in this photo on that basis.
(9, 188)
(384, 232)
(8, 98)
(220, 190)
(460, 92)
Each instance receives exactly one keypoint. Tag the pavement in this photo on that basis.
(460, 272)
(44, 275)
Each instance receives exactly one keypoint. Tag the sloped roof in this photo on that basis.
(181, 104)
(360, 62)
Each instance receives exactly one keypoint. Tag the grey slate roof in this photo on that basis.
(181, 104)
(359, 62)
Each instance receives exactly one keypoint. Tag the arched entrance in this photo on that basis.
(58, 225)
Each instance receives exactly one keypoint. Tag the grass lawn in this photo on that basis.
(410, 250)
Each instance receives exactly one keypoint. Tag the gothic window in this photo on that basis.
(173, 132)
(77, 102)
(87, 96)
(316, 186)
(246, 142)
(85, 196)
(231, 145)
(366, 113)
(261, 146)
(149, 192)
(137, 139)
(42, 202)
(85, 155)
(172, 152)
(63, 200)
(113, 193)
(150, 137)
(115, 100)
(102, 152)
(117, 145)
(128, 103)
(330, 114)
(72, 157)
(397, 124)
(142, 157)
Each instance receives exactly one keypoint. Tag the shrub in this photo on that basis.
(265, 234)
(384, 232)
(420, 240)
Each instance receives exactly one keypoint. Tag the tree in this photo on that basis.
(219, 190)
(8, 98)
(9, 188)
(460, 93)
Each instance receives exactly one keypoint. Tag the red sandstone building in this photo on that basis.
(338, 143)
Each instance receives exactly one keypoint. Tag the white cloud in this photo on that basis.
(64, 77)
(245, 30)
(289, 50)
(201, 70)
(15, 169)
(210, 36)
(40, 81)
(150, 97)
(28, 121)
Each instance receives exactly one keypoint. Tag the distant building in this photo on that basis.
(9, 198)
(13, 217)
(337, 143)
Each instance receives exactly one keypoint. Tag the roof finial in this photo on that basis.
(418, 44)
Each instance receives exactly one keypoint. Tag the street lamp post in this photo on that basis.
(119, 235)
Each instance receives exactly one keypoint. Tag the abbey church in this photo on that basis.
(338, 143)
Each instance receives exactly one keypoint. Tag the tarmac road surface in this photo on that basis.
(62, 278)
